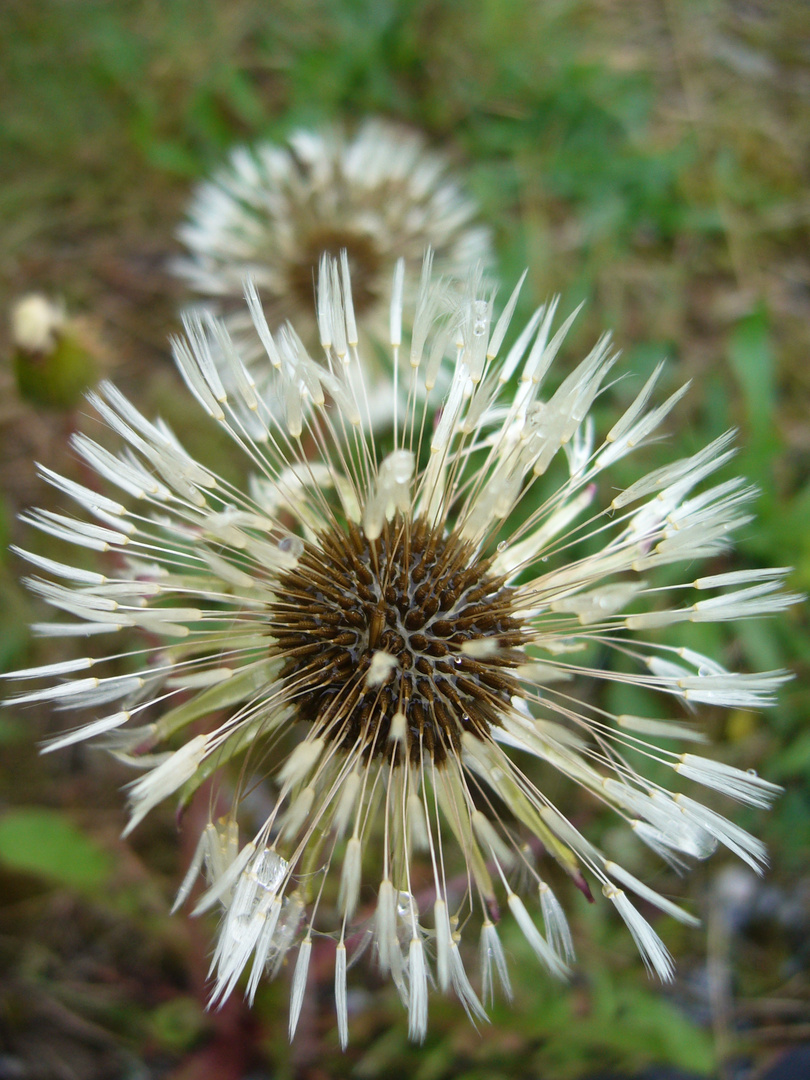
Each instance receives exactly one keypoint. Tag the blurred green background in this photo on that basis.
(651, 158)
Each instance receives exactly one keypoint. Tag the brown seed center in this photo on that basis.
(418, 598)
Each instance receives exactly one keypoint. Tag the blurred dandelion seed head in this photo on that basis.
(390, 633)
(274, 210)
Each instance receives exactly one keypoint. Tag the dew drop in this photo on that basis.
(292, 545)
(407, 906)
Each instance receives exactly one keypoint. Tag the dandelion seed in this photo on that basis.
(375, 634)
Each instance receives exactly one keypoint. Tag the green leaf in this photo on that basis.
(44, 842)
(794, 760)
(12, 731)
(177, 1024)
(752, 360)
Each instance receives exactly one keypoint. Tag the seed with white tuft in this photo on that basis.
(350, 877)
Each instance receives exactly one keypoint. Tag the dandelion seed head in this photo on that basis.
(390, 632)
(372, 197)
(370, 201)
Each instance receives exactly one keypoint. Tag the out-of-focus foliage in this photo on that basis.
(44, 842)
(650, 159)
